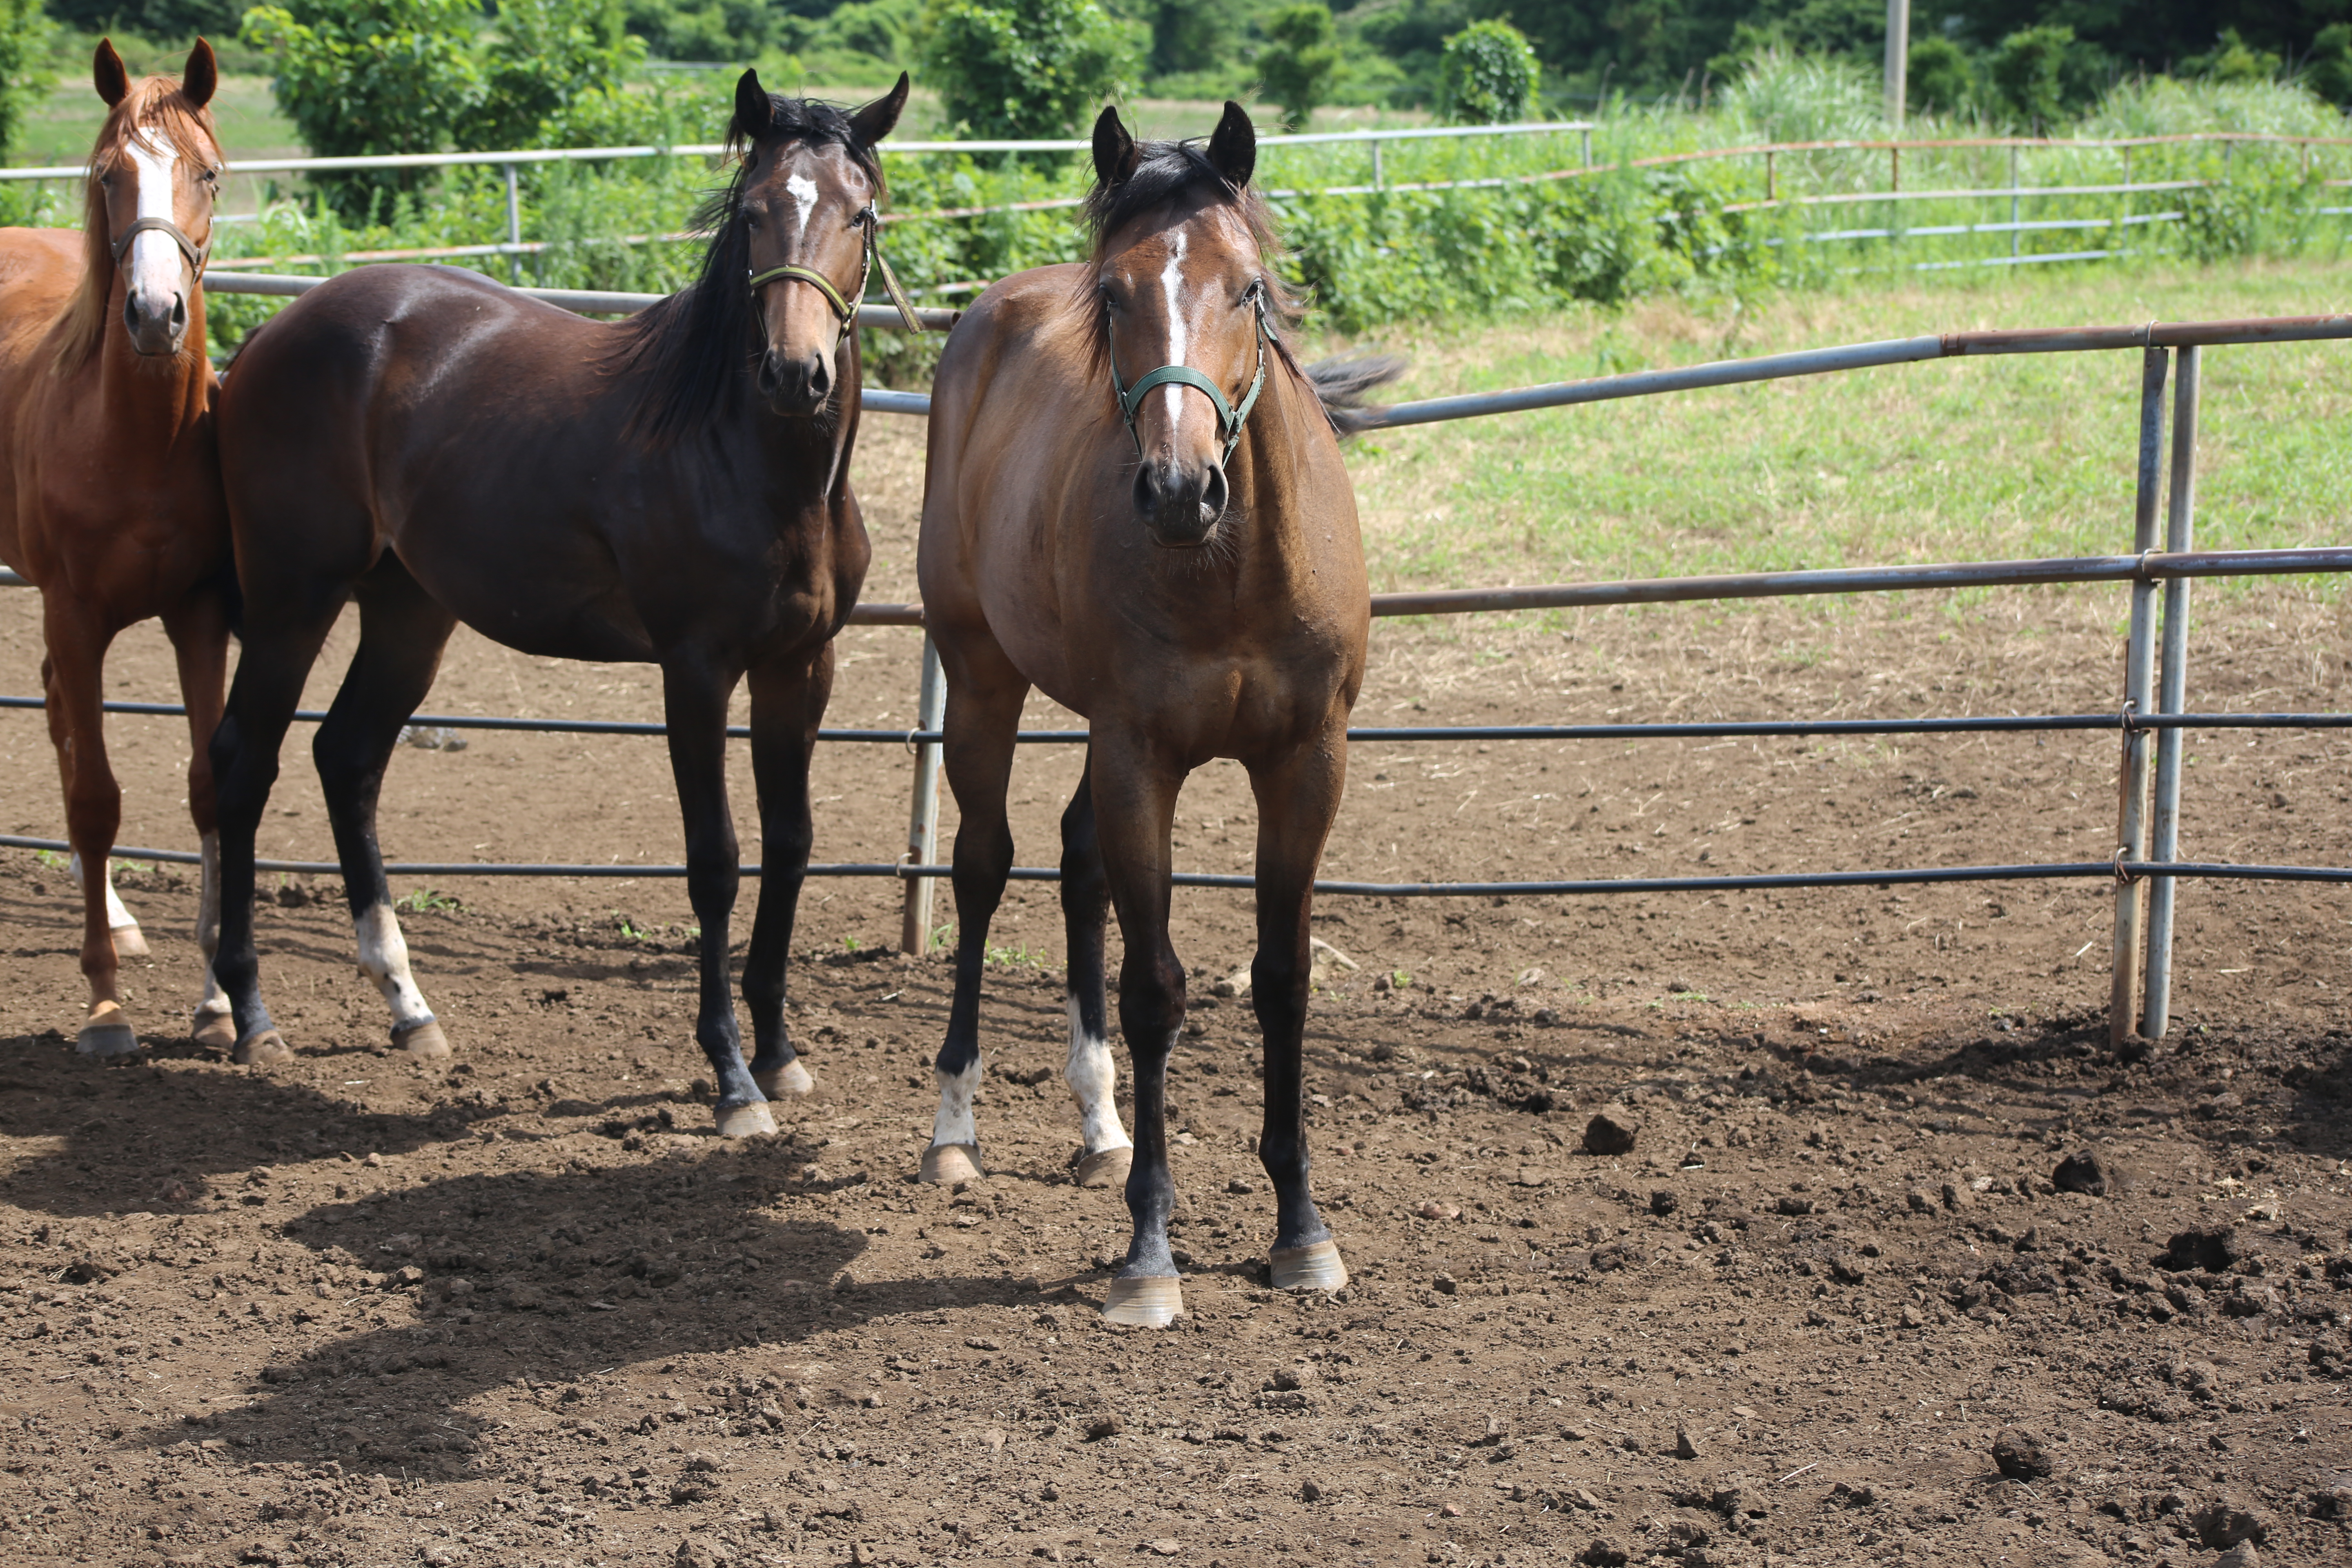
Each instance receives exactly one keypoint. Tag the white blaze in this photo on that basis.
(803, 190)
(383, 958)
(1092, 1076)
(954, 1124)
(1171, 282)
(154, 266)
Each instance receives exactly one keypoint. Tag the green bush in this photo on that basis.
(23, 41)
(1299, 62)
(1937, 76)
(2328, 71)
(1026, 70)
(1487, 76)
(2026, 71)
(2232, 60)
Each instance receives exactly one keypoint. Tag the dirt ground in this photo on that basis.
(526, 1310)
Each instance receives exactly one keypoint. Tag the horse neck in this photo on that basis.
(1270, 489)
(144, 396)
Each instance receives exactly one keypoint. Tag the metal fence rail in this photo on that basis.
(2151, 720)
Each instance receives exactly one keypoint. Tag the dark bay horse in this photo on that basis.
(110, 479)
(1135, 503)
(672, 489)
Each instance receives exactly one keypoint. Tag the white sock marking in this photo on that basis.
(117, 917)
(954, 1124)
(1093, 1076)
(214, 1004)
(1172, 281)
(383, 958)
(154, 267)
(803, 190)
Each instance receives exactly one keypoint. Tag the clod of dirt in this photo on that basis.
(1164, 1546)
(1103, 1426)
(2228, 1518)
(1311, 1491)
(2213, 1249)
(1956, 1196)
(1435, 1210)
(2020, 1456)
(2087, 1171)
(1685, 1446)
(1612, 1133)
(2241, 1555)
(1445, 1284)
(1604, 1554)
(1662, 1203)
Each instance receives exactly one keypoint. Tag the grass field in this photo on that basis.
(1949, 460)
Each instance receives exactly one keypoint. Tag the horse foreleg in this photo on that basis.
(1296, 798)
(198, 628)
(983, 713)
(694, 695)
(402, 633)
(787, 705)
(73, 675)
(1134, 791)
(1106, 1155)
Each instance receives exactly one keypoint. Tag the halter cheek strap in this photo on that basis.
(196, 254)
(1231, 417)
(871, 222)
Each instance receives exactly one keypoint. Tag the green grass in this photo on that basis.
(1955, 459)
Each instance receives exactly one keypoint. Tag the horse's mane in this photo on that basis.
(1168, 171)
(153, 103)
(689, 351)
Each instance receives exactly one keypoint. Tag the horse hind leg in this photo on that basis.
(199, 632)
(402, 633)
(1091, 1072)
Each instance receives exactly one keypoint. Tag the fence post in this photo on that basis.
(2140, 678)
(923, 815)
(514, 223)
(1378, 182)
(2012, 200)
(1586, 135)
(1770, 194)
(2179, 528)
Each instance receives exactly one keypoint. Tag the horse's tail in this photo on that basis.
(1343, 381)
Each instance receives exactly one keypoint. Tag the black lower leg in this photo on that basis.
(1085, 908)
(1278, 985)
(983, 860)
(695, 709)
(787, 704)
(1150, 1011)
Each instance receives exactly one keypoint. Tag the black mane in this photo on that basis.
(1166, 172)
(693, 351)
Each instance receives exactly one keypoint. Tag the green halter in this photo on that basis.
(871, 222)
(1230, 418)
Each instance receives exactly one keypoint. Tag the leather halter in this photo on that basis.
(197, 253)
(871, 222)
(1231, 417)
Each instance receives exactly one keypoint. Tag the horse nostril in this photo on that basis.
(1213, 495)
(1147, 494)
(179, 312)
(820, 376)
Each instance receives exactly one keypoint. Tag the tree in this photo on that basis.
(1300, 58)
(544, 56)
(1937, 76)
(1024, 71)
(24, 39)
(2328, 72)
(2025, 72)
(1487, 76)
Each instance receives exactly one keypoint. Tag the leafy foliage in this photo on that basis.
(1937, 77)
(1026, 70)
(1300, 59)
(23, 33)
(2026, 73)
(1487, 76)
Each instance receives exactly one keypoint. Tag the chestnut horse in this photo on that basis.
(673, 490)
(111, 498)
(1135, 503)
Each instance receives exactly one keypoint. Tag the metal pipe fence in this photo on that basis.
(2150, 721)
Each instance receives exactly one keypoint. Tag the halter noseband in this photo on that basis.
(1230, 416)
(197, 253)
(871, 222)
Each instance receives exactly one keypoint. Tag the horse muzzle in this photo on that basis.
(797, 387)
(1180, 504)
(158, 324)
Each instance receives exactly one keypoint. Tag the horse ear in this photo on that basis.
(1232, 149)
(754, 114)
(1114, 152)
(203, 75)
(879, 118)
(109, 74)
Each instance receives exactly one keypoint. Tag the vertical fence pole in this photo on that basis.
(2180, 530)
(2012, 199)
(1378, 182)
(2139, 679)
(923, 815)
(514, 222)
(1586, 136)
(1898, 59)
(1770, 194)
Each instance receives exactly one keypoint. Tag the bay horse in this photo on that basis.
(671, 489)
(109, 479)
(1135, 502)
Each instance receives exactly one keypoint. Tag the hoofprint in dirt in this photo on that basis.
(526, 1310)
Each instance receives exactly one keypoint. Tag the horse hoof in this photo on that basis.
(423, 1041)
(128, 942)
(265, 1049)
(1144, 1304)
(948, 1162)
(1106, 1168)
(1315, 1267)
(107, 1033)
(213, 1031)
(791, 1080)
(752, 1120)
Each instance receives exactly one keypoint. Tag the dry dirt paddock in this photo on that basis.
(525, 1310)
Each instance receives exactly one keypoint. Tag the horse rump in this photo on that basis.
(1342, 381)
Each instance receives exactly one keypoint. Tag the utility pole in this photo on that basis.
(1898, 54)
